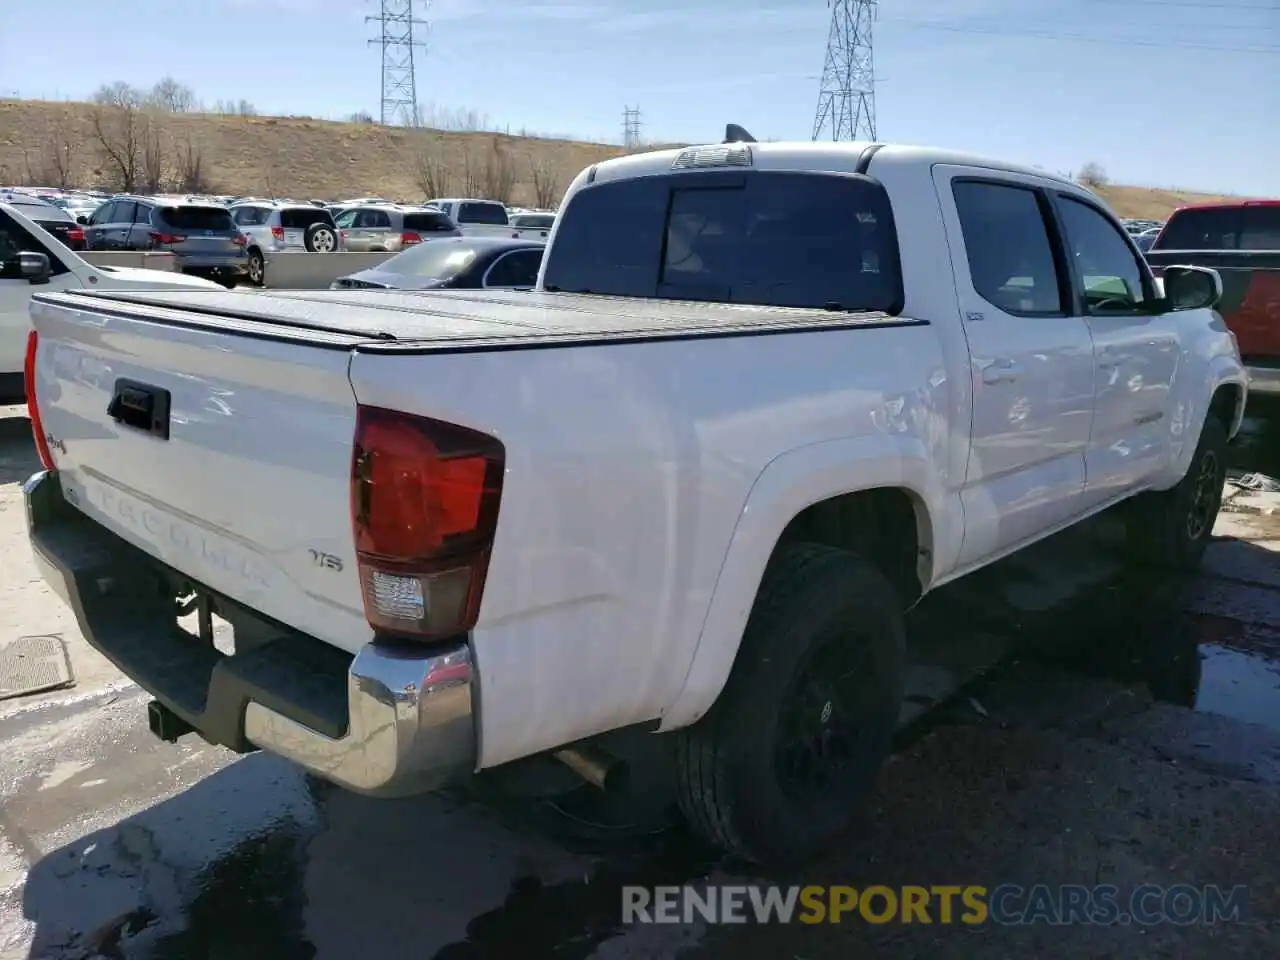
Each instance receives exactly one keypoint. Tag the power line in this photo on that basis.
(1083, 38)
(1191, 4)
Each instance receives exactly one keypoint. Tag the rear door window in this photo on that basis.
(372, 219)
(769, 237)
(197, 218)
(1260, 228)
(516, 269)
(1006, 242)
(123, 211)
(1209, 228)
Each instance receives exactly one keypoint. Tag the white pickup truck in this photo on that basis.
(763, 398)
(475, 218)
(31, 260)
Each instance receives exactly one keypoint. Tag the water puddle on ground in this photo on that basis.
(1240, 669)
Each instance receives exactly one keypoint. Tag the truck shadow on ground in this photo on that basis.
(260, 861)
(18, 458)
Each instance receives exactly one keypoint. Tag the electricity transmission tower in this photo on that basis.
(631, 128)
(398, 42)
(847, 95)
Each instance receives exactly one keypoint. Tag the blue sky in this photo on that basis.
(1160, 92)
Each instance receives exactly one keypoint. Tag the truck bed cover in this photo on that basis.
(462, 320)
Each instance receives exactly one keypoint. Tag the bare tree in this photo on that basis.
(118, 128)
(498, 174)
(361, 116)
(152, 155)
(472, 173)
(456, 119)
(1092, 175)
(431, 168)
(189, 175)
(546, 181)
(118, 94)
(235, 108)
(174, 97)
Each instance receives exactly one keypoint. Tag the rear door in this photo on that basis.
(119, 230)
(1031, 359)
(1136, 351)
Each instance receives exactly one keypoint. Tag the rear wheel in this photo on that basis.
(257, 268)
(320, 238)
(1172, 528)
(778, 767)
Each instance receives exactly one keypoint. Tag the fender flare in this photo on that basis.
(1222, 371)
(787, 485)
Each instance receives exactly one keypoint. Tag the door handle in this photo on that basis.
(1001, 371)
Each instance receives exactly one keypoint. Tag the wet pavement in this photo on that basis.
(1129, 733)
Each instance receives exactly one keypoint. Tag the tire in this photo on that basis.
(320, 238)
(257, 268)
(1171, 529)
(816, 605)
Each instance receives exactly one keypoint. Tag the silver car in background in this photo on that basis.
(391, 228)
(275, 227)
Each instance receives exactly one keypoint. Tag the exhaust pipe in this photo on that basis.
(598, 768)
(166, 724)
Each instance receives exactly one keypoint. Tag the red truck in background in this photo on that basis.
(1241, 241)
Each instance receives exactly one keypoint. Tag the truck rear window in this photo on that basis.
(773, 238)
(490, 213)
(1209, 228)
(198, 218)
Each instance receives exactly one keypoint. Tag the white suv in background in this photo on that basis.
(274, 227)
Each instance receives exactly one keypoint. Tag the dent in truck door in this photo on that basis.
(1136, 351)
(1031, 361)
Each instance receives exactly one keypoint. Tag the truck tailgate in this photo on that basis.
(247, 493)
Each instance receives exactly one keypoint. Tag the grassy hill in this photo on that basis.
(301, 157)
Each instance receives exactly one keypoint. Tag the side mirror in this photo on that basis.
(1191, 288)
(34, 266)
(82, 220)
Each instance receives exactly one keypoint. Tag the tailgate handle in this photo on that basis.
(140, 406)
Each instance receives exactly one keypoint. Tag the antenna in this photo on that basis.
(736, 134)
(847, 95)
(398, 40)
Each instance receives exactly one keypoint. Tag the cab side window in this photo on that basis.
(1006, 241)
(1112, 279)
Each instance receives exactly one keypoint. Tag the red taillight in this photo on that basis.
(166, 238)
(409, 238)
(240, 240)
(424, 507)
(76, 234)
(33, 406)
(278, 232)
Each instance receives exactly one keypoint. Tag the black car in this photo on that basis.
(466, 263)
(51, 218)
